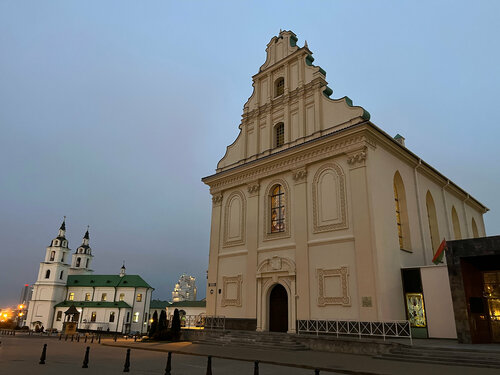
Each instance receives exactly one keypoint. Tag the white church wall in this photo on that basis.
(333, 281)
(438, 302)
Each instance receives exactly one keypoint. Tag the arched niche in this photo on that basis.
(234, 219)
(329, 199)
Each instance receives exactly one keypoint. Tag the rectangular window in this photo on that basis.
(71, 296)
(111, 316)
(59, 316)
(61, 275)
(145, 317)
(136, 317)
(93, 316)
(87, 296)
(139, 297)
(122, 296)
(128, 316)
(104, 296)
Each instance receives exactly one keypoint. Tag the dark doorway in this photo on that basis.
(278, 309)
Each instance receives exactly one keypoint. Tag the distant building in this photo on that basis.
(185, 289)
(194, 310)
(118, 303)
(25, 295)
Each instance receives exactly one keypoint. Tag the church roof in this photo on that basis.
(92, 304)
(127, 281)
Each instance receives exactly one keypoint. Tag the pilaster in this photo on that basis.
(363, 233)
(214, 254)
(301, 247)
(252, 242)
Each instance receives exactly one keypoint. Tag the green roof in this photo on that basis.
(92, 304)
(156, 304)
(131, 281)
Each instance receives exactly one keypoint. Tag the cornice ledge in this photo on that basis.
(279, 163)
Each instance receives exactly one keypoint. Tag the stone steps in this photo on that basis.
(263, 340)
(445, 356)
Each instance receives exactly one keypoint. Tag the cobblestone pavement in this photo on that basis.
(21, 354)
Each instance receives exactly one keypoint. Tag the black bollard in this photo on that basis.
(126, 368)
(44, 355)
(209, 365)
(78, 338)
(256, 368)
(92, 340)
(60, 337)
(72, 338)
(316, 372)
(169, 364)
(66, 338)
(135, 338)
(115, 337)
(85, 338)
(99, 339)
(86, 358)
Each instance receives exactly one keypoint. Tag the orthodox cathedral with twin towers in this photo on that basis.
(117, 303)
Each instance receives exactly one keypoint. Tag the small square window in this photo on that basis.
(71, 296)
(104, 296)
(139, 297)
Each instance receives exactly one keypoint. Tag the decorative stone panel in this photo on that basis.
(343, 298)
(228, 283)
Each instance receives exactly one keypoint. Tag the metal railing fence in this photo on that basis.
(393, 329)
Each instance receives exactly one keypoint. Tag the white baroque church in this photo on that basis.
(318, 214)
(118, 303)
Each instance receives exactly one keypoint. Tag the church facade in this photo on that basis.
(116, 303)
(317, 212)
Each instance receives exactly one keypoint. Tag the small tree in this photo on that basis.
(154, 325)
(176, 326)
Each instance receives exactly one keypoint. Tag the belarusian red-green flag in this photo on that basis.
(439, 253)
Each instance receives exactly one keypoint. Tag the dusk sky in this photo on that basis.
(112, 111)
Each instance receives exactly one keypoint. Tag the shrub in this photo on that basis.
(176, 326)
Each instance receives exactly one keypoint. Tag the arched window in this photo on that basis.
(52, 255)
(401, 213)
(61, 275)
(432, 220)
(475, 232)
(279, 87)
(456, 224)
(78, 260)
(87, 263)
(122, 297)
(277, 209)
(47, 274)
(279, 134)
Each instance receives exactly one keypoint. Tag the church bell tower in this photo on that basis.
(50, 287)
(82, 257)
